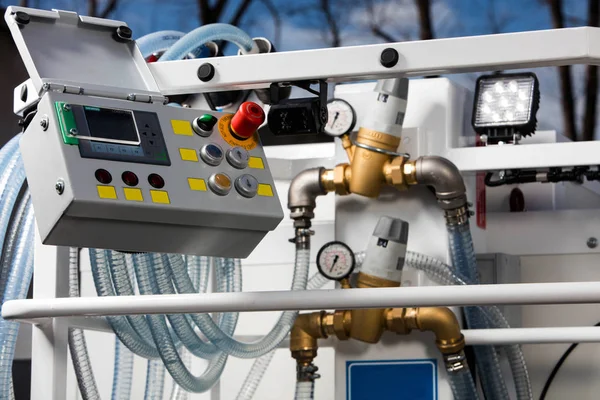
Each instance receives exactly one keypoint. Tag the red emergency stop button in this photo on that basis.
(247, 119)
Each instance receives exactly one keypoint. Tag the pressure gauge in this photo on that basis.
(335, 260)
(341, 117)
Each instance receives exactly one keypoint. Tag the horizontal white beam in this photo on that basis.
(578, 334)
(543, 155)
(525, 293)
(418, 58)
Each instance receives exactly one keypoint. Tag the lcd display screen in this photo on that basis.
(111, 125)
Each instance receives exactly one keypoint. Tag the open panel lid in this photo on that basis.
(61, 47)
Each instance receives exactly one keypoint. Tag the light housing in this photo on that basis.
(505, 106)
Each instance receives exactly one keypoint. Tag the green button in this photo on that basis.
(208, 118)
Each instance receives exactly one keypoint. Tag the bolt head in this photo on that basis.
(73, 131)
(66, 107)
(59, 186)
(592, 243)
(44, 122)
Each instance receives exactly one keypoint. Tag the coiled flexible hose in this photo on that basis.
(223, 340)
(122, 373)
(146, 271)
(208, 33)
(76, 339)
(21, 259)
(157, 42)
(261, 364)
(155, 380)
(464, 261)
(119, 324)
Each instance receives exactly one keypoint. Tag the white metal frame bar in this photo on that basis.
(425, 296)
(419, 58)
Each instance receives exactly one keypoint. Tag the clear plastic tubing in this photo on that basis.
(145, 271)
(155, 380)
(209, 33)
(119, 324)
(305, 390)
(17, 285)
(76, 339)
(223, 340)
(462, 385)
(261, 364)
(464, 261)
(157, 42)
(122, 373)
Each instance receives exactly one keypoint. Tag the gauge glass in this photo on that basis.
(341, 118)
(335, 260)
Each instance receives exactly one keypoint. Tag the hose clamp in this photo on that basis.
(457, 216)
(455, 362)
(307, 372)
(382, 151)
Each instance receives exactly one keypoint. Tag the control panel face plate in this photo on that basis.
(112, 172)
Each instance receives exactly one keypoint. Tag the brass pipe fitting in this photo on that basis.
(368, 324)
(303, 337)
(439, 320)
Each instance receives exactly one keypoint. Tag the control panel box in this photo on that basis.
(110, 165)
(131, 176)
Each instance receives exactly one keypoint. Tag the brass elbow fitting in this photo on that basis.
(439, 320)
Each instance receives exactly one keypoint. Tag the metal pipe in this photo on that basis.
(444, 177)
(303, 191)
(513, 294)
(572, 334)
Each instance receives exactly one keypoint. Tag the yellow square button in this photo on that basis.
(182, 127)
(133, 194)
(188, 155)
(107, 192)
(265, 190)
(197, 184)
(256, 163)
(160, 196)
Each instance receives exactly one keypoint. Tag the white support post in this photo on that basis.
(49, 341)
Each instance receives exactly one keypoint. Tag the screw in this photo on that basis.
(66, 107)
(44, 122)
(131, 97)
(73, 132)
(592, 243)
(46, 87)
(59, 186)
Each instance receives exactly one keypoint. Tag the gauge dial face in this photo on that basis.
(335, 260)
(341, 117)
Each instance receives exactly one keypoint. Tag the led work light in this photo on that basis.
(506, 106)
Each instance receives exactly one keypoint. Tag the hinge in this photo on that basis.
(146, 98)
(58, 87)
(142, 98)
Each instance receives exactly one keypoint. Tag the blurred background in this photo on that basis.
(569, 94)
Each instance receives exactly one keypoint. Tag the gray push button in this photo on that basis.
(211, 154)
(246, 185)
(238, 157)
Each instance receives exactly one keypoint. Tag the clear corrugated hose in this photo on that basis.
(147, 269)
(464, 261)
(223, 340)
(445, 275)
(155, 380)
(122, 373)
(208, 33)
(305, 390)
(157, 42)
(259, 367)
(461, 383)
(16, 230)
(76, 339)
